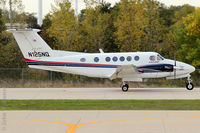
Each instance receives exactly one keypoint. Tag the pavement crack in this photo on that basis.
(163, 124)
(78, 121)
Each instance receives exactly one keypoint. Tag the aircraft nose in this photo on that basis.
(190, 68)
(185, 68)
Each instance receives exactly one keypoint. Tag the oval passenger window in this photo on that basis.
(115, 58)
(129, 58)
(136, 58)
(122, 58)
(108, 59)
(82, 59)
(96, 59)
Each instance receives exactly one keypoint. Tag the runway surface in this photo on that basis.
(100, 121)
(98, 93)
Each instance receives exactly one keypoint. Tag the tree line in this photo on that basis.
(127, 26)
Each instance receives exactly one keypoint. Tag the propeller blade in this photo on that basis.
(175, 66)
(174, 59)
(174, 73)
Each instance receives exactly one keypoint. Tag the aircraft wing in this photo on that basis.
(124, 70)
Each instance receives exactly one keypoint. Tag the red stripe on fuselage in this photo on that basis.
(146, 69)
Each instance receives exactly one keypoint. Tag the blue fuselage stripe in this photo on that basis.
(70, 65)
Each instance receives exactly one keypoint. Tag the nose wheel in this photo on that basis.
(189, 84)
(125, 87)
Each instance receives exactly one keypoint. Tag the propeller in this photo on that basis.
(174, 66)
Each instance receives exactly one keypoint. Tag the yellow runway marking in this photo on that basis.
(73, 128)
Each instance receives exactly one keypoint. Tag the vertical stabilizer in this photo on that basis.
(31, 44)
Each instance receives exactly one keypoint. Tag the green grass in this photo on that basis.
(100, 105)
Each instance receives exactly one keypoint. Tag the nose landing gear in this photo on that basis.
(189, 84)
(125, 86)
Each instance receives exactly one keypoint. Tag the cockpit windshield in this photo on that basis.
(159, 57)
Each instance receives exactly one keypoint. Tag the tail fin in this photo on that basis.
(31, 44)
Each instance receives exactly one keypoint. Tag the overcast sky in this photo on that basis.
(32, 5)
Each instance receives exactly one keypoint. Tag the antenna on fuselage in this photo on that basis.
(101, 51)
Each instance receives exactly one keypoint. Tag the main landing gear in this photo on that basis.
(125, 87)
(189, 84)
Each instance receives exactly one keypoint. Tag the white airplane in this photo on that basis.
(129, 66)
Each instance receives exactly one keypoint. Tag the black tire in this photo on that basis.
(125, 88)
(189, 86)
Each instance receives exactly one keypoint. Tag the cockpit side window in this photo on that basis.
(156, 58)
(152, 58)
(159, 57)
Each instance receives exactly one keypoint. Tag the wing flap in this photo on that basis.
(124, 70)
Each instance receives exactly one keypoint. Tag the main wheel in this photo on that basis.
(189, 86)
(125, 88)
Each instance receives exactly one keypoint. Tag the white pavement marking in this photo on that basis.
(100, 93)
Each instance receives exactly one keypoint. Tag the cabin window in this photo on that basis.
(122, 58)
(114, 58)
(152, 58)
(136, 58)
(108, 59)
(82, 59)
(129, 58)
(96, 59)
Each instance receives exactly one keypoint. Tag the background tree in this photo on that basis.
(173, 18)
(63, 27)
(51, 41)
(181, 12)
(153, 30)
(10, 55)
(188, 38)
(31, 20)
(130, 25)
(96, 27)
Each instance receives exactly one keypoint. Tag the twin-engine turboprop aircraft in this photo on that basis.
(129, 66)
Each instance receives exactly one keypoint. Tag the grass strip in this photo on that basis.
(100, 105)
